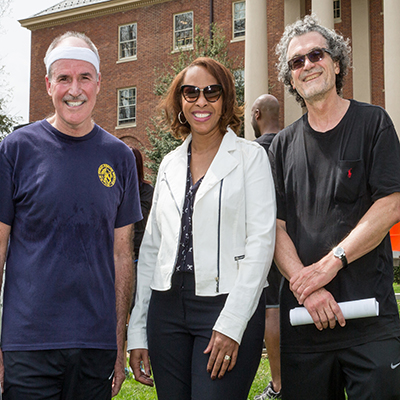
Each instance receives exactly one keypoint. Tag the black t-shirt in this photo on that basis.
(325, 183)
(265, 140)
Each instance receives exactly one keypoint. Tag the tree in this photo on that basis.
(161, 140)
(6, 121)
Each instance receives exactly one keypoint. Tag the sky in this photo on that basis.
(15, 45)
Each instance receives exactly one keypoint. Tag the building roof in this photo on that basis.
(68, 5)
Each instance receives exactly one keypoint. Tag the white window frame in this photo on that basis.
(187, 46)
(131, 104)
(337, 11)
(133, 41)
(238, 35)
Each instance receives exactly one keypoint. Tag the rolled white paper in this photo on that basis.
(350, 309)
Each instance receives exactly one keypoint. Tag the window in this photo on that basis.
(183, 30)
(126, 106)
(336, 10)
(239, 19)
(127, 41)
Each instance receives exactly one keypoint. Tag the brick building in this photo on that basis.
(137, 37)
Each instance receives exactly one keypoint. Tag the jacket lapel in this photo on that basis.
(176, 173)
(224, 162)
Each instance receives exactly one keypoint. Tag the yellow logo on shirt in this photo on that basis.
(106, 175)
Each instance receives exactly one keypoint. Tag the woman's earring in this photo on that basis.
(180, 118)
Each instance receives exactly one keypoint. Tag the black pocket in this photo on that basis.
(350, 181)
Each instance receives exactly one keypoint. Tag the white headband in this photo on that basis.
(72, 53)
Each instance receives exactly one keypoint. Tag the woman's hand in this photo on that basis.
(224, 351)
(140, 364)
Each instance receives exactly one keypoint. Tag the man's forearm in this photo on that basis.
(366, 236)
(286, 257)
(123, 296)
(373, 227)
(123, 260)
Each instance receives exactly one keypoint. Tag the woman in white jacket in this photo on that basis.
(207, 249)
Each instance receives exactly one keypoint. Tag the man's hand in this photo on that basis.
(324, 310)
(119, 374)
(314, 277)
(224, 351)
(140, 364)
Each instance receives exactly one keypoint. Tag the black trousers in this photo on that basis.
(179, 330)
(70, 374)
(370, 371)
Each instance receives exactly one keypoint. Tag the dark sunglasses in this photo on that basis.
(191, 93)
(314, 56)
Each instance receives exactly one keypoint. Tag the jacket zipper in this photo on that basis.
(219, 238)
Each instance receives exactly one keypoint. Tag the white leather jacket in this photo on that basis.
(233, 234)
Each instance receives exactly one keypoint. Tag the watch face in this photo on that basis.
(338, 252)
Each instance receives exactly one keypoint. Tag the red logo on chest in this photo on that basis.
(349, 173)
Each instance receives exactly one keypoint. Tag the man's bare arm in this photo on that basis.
(123, 260)
(286, 257)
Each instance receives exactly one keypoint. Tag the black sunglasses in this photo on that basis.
(314, 56)
(191, 93)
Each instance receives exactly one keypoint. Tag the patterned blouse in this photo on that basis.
(185, 262)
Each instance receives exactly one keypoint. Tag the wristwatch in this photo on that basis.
(339, 253)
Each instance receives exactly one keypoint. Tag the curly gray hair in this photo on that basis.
(338, 47)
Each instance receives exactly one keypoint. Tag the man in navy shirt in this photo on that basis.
(69, 198)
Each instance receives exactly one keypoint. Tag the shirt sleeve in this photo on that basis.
(6, 187)
(384, 177)
(129, 210)
(275, 158)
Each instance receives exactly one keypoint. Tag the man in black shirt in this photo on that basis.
(337, 178)
(265, 119)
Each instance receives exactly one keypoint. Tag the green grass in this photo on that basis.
(396, 287)
(132, 390)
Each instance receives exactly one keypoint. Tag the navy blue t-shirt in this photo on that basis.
(63, 197)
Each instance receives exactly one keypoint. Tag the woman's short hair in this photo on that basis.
(338, 46)
(172, 103)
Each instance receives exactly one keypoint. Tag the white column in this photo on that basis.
(293, 109)
(256, 58)
(361, 50)
(324, 11)
(391, 13)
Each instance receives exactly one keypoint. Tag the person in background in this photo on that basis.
(207, 248)
(336, 172)
(69, 196)
(265, 122)
(265, 119)
(146, 196)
